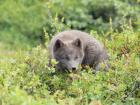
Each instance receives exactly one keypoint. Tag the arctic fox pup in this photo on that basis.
(73, 48)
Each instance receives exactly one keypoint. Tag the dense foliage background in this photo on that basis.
(26, 26)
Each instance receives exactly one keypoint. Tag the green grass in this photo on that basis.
(25, 78)
(12, 40)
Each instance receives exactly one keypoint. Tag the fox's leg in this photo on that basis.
(97, 67)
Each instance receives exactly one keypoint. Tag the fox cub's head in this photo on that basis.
(69, 54)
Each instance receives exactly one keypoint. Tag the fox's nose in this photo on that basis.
(73, 68)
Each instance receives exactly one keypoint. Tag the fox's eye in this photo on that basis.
(67, 58)
(76, 57)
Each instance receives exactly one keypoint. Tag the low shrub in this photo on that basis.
(26, 78)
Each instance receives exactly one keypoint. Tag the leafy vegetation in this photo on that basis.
(28, 18)
(26, 78)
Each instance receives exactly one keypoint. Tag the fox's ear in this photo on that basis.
(58, 44)
(77, 43)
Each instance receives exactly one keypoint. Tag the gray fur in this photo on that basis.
(72, 48)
